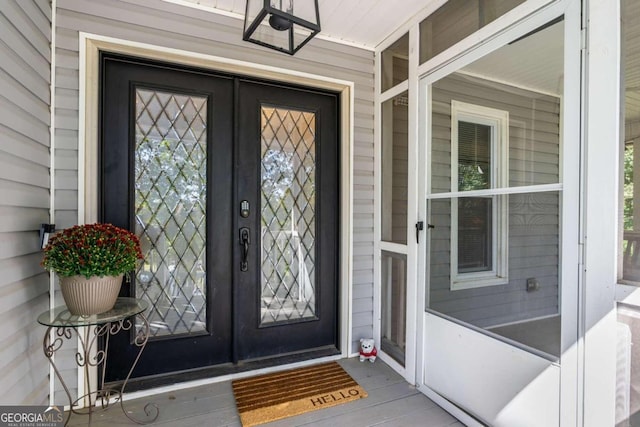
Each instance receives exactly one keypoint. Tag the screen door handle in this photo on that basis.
(419, 228)
(245, 240)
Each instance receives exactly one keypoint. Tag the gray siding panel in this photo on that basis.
(169, 25)
(21, 121)
(20, 70)
(25, 34)
(14, 167)
(23, 147)
(13, 38)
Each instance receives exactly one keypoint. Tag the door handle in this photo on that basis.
(419, 228)
(245, 240)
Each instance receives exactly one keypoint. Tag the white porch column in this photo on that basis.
(600, 185)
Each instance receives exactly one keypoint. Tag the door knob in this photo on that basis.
(245, 240)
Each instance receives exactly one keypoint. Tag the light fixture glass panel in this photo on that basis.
(253, 9)
(283, 25)
(267, 35)
(303, 9)
(300, 35)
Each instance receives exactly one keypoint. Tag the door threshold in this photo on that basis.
(224, 371)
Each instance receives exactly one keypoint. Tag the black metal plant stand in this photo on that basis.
(88, 330)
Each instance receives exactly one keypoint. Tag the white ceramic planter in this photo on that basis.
(94, 295)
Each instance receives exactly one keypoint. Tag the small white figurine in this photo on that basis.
(368, 350)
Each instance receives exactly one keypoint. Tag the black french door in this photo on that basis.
(232, 186)
(288, 166)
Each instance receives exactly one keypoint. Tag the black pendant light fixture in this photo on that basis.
(277, 25)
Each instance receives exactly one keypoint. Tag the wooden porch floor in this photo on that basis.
(391, 402)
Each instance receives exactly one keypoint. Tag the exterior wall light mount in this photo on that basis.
(276, 24)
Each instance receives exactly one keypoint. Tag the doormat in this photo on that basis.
(271, 397)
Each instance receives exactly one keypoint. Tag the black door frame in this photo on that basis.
(341, 339)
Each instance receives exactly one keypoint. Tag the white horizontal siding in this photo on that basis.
(25, 35)
(164, 24)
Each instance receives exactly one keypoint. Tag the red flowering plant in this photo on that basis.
(92, 250)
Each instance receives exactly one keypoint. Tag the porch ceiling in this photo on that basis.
(364, 24)
(535, 62)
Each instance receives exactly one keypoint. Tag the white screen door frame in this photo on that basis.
(491, 358)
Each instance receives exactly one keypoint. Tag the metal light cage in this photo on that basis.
(279, 25)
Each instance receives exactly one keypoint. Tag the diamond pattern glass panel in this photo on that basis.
(288, 215)
(170, 209)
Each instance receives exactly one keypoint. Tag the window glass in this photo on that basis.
(628, 330)
(395, 63)
(394, 302)
(628, 360)
(531, 291)
(456, 20)
(631, 142)
(533, 153)
(493, 254)
(170, 161)
(478, 228)
(474, 156)
(287, 215)
(395, 155)
(475, 235)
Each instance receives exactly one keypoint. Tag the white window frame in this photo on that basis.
(498, 121)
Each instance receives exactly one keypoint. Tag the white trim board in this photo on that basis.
(52, 185)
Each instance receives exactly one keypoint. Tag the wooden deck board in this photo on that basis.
(391, 402)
